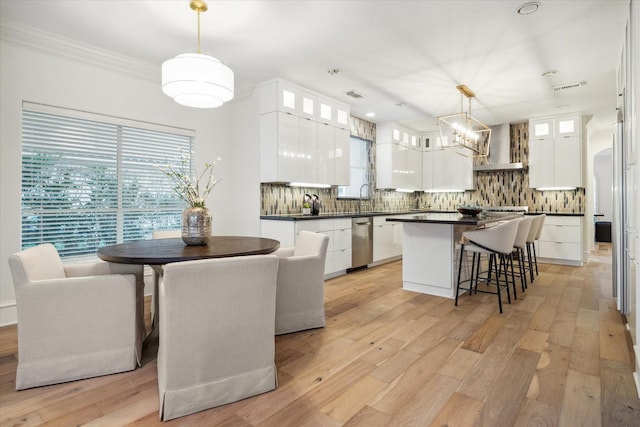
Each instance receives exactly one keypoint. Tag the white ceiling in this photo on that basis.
(408, 52)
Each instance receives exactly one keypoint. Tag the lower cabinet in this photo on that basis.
(561, 240)
(338, 229)
(387, 239)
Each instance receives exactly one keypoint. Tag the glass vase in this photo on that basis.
(196, 226)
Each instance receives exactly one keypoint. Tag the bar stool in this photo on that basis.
(520, 245)
(496, 242)
(540, 225)
(534, 234)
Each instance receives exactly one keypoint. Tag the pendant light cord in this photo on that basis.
(198, 32)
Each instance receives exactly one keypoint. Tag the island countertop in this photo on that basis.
(454, 218)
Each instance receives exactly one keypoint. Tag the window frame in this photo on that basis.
(132, 182)
(353, 193)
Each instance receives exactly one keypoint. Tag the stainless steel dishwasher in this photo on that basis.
(361, 241)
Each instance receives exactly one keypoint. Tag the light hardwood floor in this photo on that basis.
(387, 357)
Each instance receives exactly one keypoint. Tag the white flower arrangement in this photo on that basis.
(187, 187)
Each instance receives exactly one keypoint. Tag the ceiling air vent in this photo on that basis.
(354, 94)
(566, 86)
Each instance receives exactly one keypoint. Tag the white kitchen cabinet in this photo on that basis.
(314, 148)
(279, 147)
(326, 110)
(308, 162)
(561, 240)
(446, 170)
(427, 170)
(342, 116)
(397, 166)
(555, 152)
(387, 239)
(398, 157)
(325, 135)
(278, 95)
(338, 230)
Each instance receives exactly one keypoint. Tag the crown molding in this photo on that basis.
(33, 38)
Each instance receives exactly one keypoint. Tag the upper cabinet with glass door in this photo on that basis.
(555, 152)
(280, 95)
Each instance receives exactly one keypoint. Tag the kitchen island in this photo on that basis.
(429, 255)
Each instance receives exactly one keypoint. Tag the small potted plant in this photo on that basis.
(306, 205)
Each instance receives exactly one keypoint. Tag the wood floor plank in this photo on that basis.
(414, 377)
(543, 318)
(352, 400)
(548, 382)
(428, 401)
(508, 392)
(490, 364)
(310, 403)
(619, 407)
(588, 319)
(536, 413)
(460, 410)
(585, 352)
(613, 338)
(460, 363)
(369, 417)
(533, 341)
(581, 402)
(484, 335)
(563, 328)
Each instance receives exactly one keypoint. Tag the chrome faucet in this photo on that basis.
(360, 194)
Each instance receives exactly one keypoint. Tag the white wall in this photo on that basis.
(64, 78)
(603, 172)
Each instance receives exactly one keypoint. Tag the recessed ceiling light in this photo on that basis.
(549, 73)
(333, 71)
(528, 8)
(371, 114)
(562, 107)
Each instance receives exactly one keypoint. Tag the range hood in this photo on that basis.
(499, 151)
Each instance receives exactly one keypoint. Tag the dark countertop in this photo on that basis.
(469, 220)
(454, 218)
(299, 217)
(556, 213)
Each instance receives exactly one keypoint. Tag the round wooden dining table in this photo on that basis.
(158, 252)
(164, 251)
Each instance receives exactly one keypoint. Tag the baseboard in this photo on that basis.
(560, 261)
(636, 374)
(8, 313)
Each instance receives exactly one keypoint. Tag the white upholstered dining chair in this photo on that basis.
(300, 292)
(76, 320)
(217, 341)
(157, 270)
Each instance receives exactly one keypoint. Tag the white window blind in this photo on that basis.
(87, 183)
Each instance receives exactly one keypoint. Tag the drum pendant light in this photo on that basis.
(197, 80)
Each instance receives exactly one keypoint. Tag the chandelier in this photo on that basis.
(197, 80)
(462, 130)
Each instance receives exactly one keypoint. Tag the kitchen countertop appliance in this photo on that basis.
(361, 241)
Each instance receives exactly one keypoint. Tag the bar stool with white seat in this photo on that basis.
(540, 225)
(496, 242)
(534, 234)
(520, 245)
